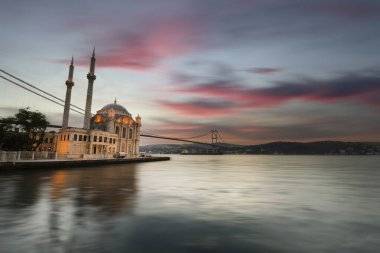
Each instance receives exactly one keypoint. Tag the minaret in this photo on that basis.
(69, 86)
(91, 78)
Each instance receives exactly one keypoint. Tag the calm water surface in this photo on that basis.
(196, 204)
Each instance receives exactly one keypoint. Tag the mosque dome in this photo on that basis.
(116, 107)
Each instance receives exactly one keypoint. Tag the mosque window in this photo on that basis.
(75, 137)
(85, 138)
(95, 138)
(100, 138)
(130, 133)
(80, 137)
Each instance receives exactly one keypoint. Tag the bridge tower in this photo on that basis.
(69, 86)
(214, 137)
(91, 78)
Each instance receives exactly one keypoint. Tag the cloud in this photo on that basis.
(304, 127)
(264, 71)
(351, 10)
(145, 37)
(145, 50)
(201, 108)
(354, 87)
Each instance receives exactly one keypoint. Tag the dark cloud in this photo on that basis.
(264, 71)
(355, 87)
(156, 32)
(351, 10)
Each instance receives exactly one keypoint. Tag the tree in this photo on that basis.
(20, 131)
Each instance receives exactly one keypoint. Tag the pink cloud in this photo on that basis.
(176, 127)
(357, 88)
(146, 49)
(200, 109)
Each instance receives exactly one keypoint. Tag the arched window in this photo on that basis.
(105, 139)
(85, 138)
(117, 130)
(130, 133)
(80, 137)
(75, 137)
(124, 132)
(100, 138)
(95, 138)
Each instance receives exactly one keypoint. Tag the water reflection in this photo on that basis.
(47, 205)
(110, 189)
(196, 204)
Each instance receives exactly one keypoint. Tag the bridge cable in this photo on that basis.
(197, 136)
(181, 138)
(38, 94)
(220, 136)
(31, 85)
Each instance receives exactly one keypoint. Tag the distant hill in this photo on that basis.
(286, 148)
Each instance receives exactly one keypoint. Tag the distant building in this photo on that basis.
(112, 129)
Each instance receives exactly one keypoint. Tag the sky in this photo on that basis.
(256, 70)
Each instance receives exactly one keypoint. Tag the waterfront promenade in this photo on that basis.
(47, 164)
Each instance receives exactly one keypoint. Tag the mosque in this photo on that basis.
(111, 130)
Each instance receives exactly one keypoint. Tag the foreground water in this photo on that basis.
(196, 204)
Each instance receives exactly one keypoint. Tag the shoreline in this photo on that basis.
(47, 164)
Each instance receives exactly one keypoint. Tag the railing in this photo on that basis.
(11, 156)
(14, 156)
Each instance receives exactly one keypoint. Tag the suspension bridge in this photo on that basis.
(215, 140)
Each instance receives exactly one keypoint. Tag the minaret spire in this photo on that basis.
(91, 78)
(69, 86)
